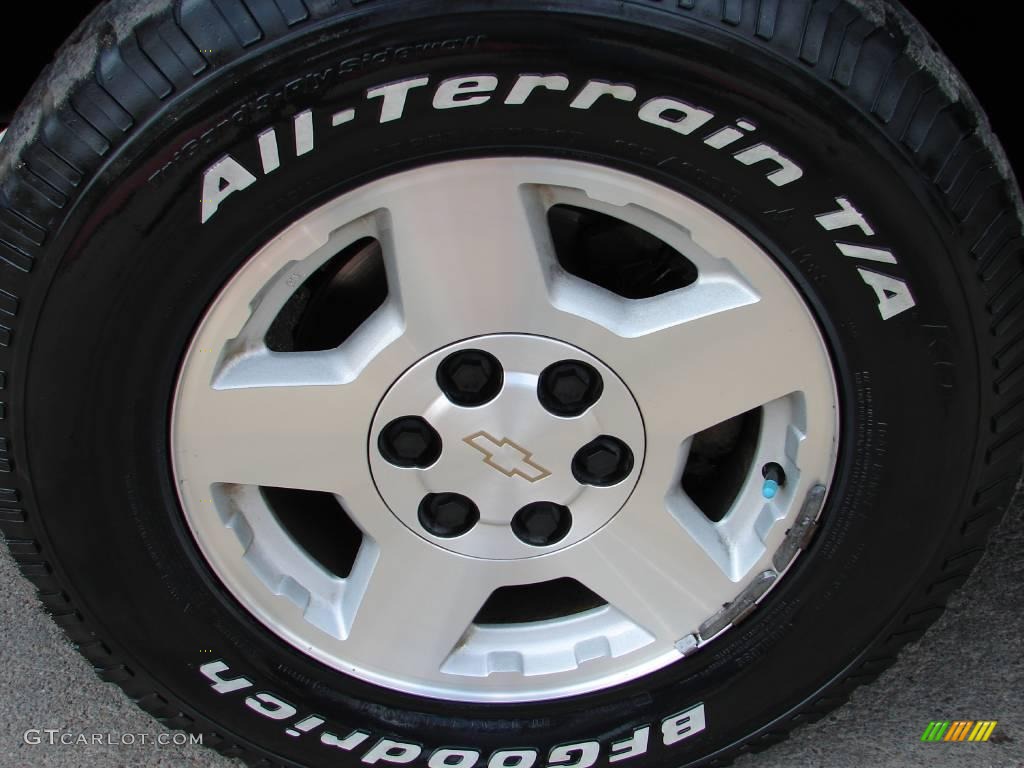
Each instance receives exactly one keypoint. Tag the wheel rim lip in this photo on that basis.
(247, 594)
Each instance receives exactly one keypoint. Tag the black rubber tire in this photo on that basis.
(104, 261)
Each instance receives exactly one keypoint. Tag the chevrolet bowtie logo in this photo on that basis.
(508, 458)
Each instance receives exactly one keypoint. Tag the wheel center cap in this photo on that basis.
(507, 447)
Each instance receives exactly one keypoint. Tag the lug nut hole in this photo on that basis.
(542, 523)
(448, 515)
(603, 462)
(569, 388)
(410, 442)
(470, 377)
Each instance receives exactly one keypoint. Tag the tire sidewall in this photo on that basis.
(138, 268)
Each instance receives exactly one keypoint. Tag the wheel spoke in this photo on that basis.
(696, 374)
(286, 435)
(646, 565)
(417, 603)
(468, 254)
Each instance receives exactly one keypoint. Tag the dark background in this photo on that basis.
(978, 40)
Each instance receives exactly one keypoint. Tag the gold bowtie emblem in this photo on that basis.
(509, 458)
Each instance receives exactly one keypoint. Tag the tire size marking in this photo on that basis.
(672, 730)
(388, 103)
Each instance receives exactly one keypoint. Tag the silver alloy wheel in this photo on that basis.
(470, 264)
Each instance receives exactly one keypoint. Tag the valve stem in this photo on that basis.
(774, 479)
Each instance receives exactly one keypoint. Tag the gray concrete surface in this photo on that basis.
(969, 666)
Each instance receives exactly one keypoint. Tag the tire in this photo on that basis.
(134, 188)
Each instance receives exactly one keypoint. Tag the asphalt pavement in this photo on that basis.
(970, 666)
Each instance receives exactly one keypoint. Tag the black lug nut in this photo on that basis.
(410, 442)
(542, 523)
(603, 462)
(569, 388)
(470, 377)
(448, 515)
